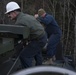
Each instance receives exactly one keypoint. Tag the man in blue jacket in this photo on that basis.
(54, 33)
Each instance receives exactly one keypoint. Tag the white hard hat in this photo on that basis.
(11, 6)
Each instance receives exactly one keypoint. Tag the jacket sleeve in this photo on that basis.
(45, 20)
(26, 32)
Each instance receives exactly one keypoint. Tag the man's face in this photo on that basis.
(11, 15)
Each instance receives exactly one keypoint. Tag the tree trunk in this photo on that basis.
(22, 5)
(75, 42)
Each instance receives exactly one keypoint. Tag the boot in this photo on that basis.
(48, 62)
(54, 58)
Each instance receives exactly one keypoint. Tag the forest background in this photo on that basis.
(64, 11)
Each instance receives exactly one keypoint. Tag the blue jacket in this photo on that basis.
(51, 26)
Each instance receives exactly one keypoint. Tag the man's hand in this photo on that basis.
(36, 16)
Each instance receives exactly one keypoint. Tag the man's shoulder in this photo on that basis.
(49, 15)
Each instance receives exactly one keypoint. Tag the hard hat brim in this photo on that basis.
(11, 11)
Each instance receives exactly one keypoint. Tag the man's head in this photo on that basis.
(11, 9)
(41, 12)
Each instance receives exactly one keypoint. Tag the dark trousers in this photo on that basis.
(53, 41)
(33, 50)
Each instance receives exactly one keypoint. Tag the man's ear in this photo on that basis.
(14, 13)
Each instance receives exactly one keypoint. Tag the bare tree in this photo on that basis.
(75, 41)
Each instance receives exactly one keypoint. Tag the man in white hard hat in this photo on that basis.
(35, 34)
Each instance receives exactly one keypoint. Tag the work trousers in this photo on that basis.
(53, 41)
(33, 50)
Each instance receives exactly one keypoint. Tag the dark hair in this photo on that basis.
(19, 10)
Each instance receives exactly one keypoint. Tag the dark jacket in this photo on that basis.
(51, 26)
